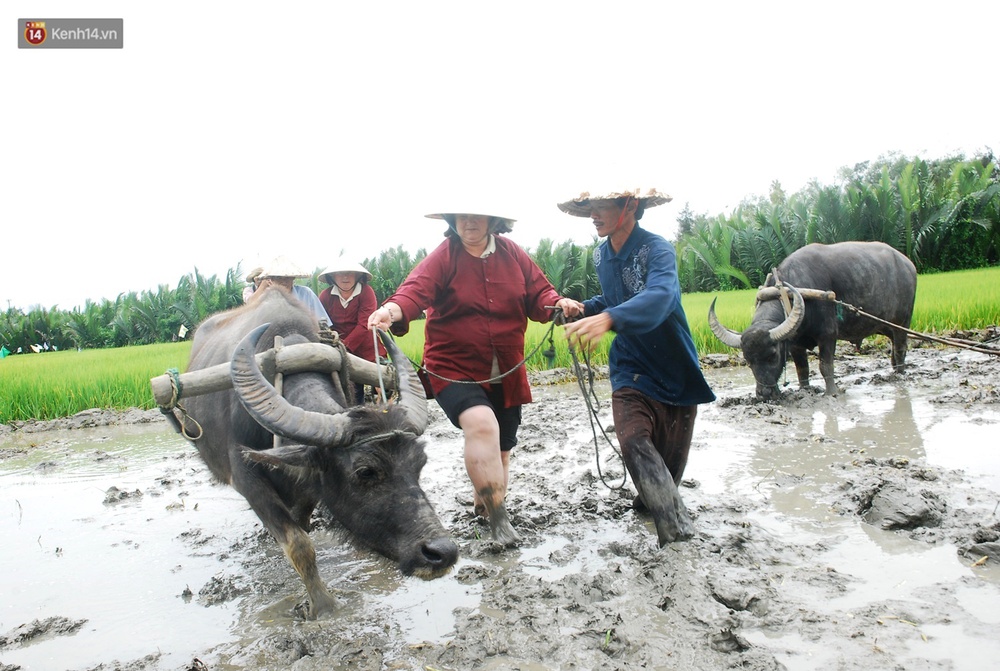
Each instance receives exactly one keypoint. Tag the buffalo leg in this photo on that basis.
(801, 359)
(826, 352)
(899, 344)
(281, 523)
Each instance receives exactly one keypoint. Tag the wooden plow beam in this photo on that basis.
(771, 293)
(301, 358)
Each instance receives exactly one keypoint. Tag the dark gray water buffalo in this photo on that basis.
(871, 276)
(363, 464)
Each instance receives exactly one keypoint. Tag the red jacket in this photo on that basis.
(352, 322)
(476, 307)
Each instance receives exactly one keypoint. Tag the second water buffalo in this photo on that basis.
(871, 276)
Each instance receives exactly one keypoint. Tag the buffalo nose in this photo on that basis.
(440, 552)
(768, 392)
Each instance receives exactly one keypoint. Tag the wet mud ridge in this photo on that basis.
(857, 532)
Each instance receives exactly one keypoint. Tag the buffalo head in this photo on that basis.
(764, 343)
(362, 463)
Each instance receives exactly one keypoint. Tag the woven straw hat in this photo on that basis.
(254, 274)
(344, 265)
(282, 267)
(580, 206)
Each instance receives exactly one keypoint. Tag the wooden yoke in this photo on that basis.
(304, 357)
(771, 293)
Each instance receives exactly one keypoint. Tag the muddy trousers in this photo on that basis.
(655, 439)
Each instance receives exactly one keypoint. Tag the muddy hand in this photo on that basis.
(586, 333)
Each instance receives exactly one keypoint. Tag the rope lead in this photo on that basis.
(589, 393)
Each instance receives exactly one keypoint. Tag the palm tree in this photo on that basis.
(763, 241)
(390, 268)
(710, 246)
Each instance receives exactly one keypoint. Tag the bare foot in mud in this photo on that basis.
(501, 528)
(677, 528)
(670, 515)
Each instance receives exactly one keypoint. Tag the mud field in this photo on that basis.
(850, 533)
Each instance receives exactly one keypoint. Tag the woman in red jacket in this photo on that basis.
(478, 290)
(348, 301)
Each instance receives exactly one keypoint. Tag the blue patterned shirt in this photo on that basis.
(653, 351)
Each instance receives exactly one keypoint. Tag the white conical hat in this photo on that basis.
(344, 265)
(473, 212)
(280, 266)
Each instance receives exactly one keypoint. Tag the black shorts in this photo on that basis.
(457, 398)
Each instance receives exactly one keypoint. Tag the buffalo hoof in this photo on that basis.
(638, 505)
(317, 606)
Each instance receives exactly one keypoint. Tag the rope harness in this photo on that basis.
(395, 433)
(168, 410)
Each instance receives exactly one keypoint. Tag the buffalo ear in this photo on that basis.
(285, 457)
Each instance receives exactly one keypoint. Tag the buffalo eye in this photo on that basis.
(367, 475)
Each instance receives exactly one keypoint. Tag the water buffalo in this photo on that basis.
(362, 463)
(871, 276)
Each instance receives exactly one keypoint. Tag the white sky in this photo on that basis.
(227, 132)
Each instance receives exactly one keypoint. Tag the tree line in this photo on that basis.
(943, 214)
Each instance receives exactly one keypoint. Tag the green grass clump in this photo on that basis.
(58, 384)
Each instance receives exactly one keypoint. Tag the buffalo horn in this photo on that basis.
(791, 324)
(731, 338)
(412, 398)
(274, 412)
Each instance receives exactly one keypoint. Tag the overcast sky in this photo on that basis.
(225, 133)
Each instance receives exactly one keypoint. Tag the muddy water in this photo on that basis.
(122, 567)
(796, 477)
(784, 572)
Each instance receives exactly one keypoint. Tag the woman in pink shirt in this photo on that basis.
(478, 290)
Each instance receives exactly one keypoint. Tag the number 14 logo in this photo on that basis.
(34, 32)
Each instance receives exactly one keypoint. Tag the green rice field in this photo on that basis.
(58, 384)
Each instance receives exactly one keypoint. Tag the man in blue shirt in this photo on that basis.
(656, 379)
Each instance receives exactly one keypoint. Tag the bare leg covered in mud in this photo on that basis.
(487, 467)
(656, 471)
(657, 491)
